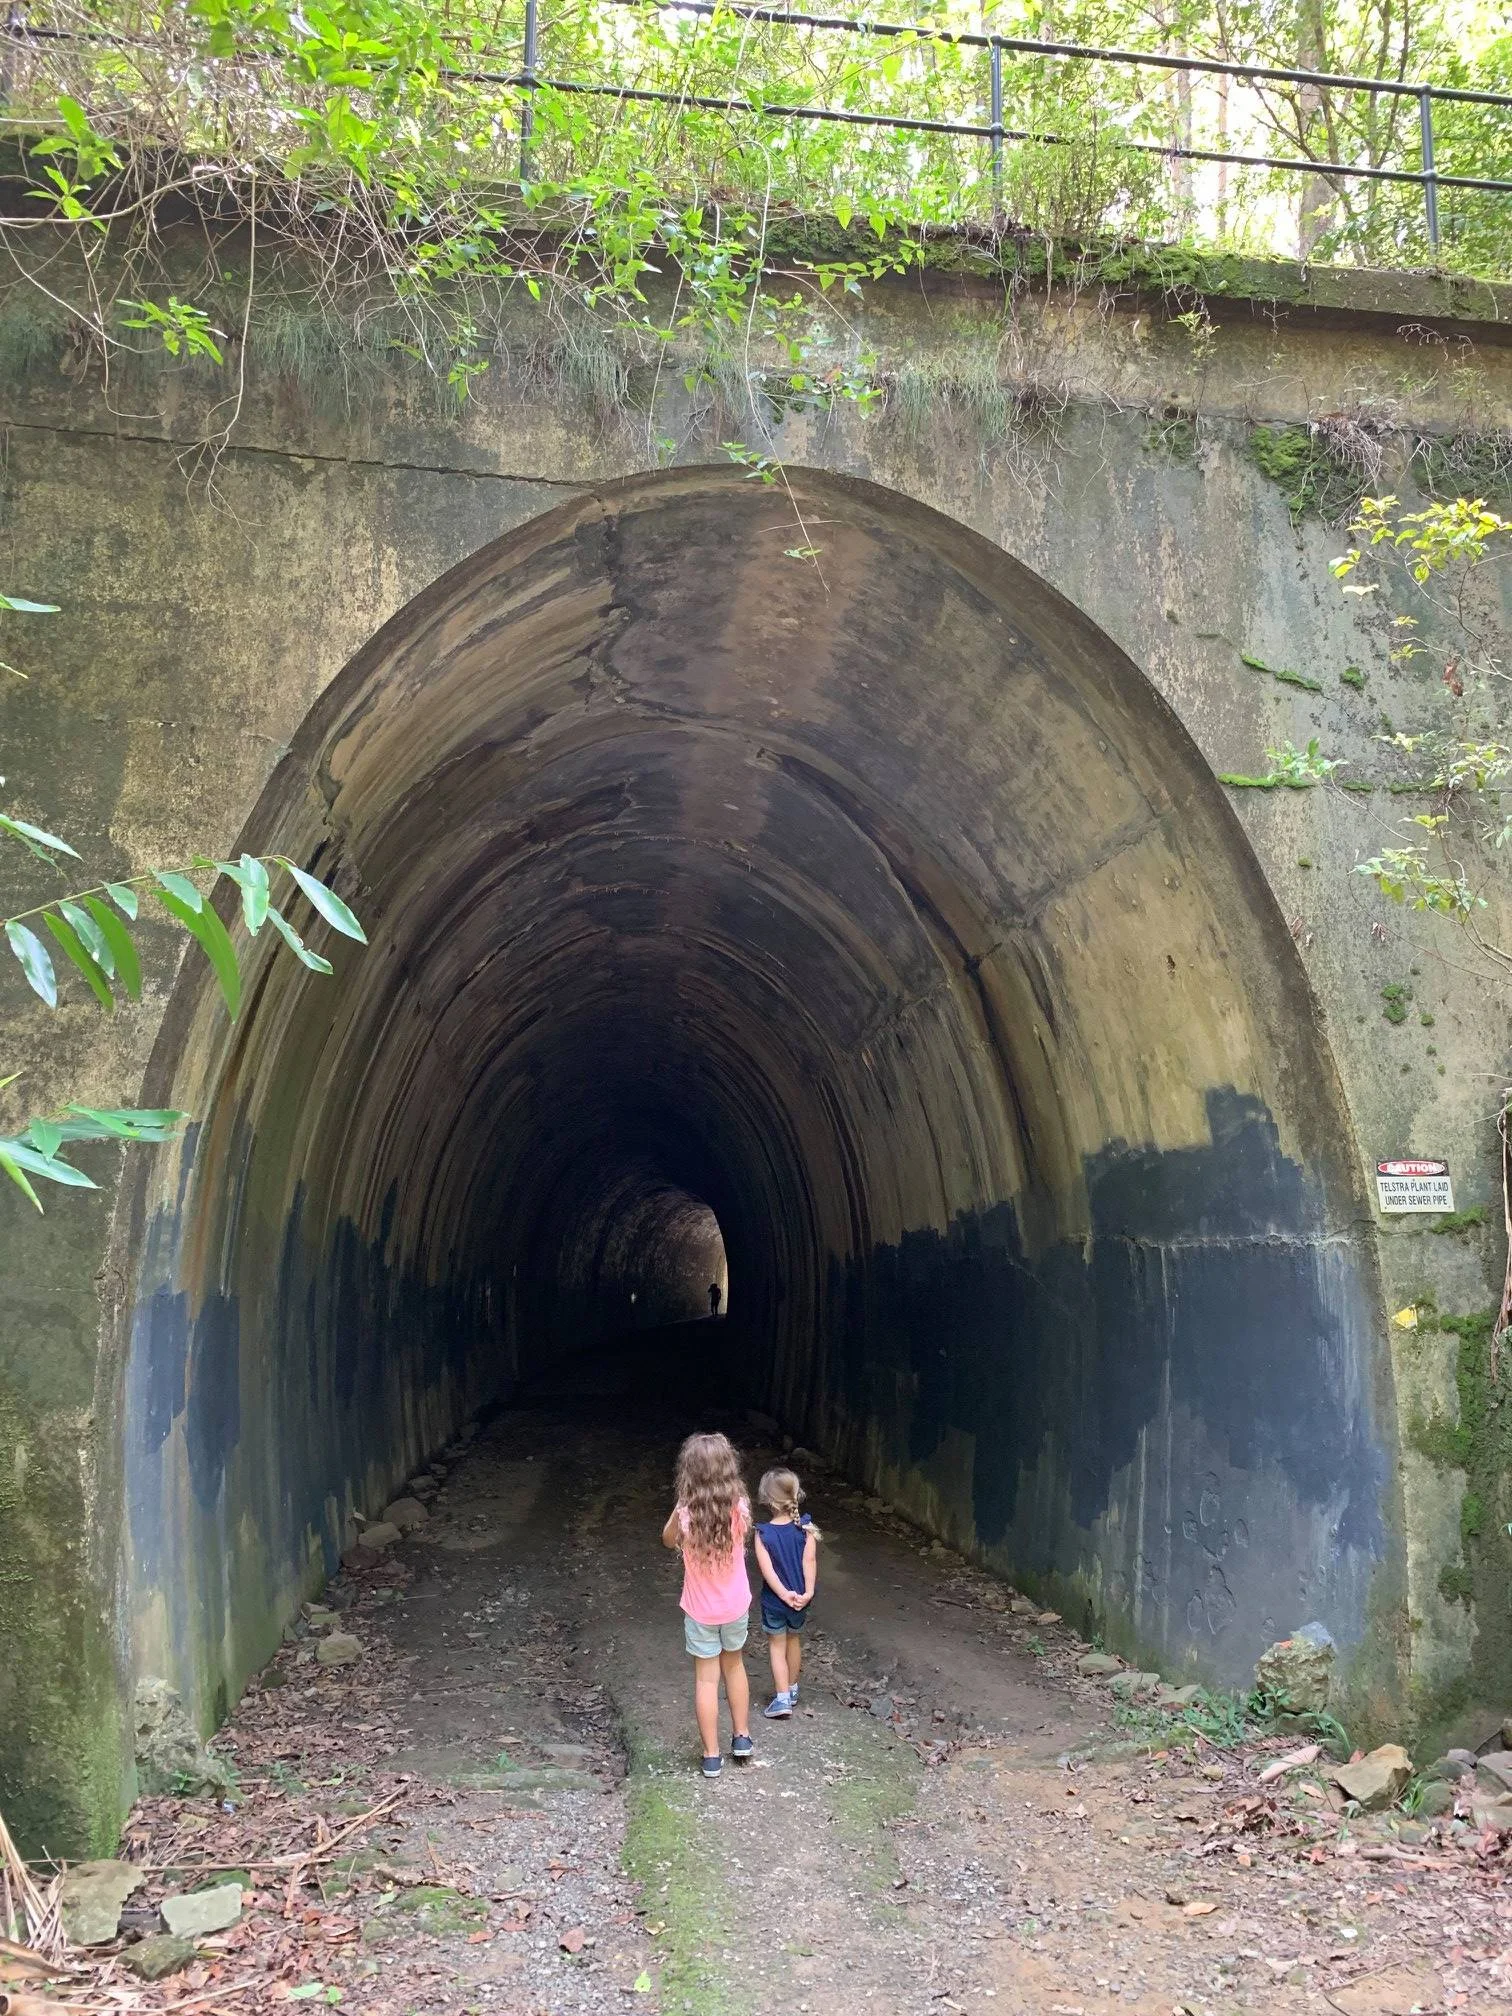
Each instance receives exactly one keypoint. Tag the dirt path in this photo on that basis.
(953, 1821)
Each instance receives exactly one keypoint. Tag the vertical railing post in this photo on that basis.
(996, 50)
(528, 82)
(1430, 179)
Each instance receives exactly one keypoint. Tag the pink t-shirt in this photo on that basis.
(717, 1592)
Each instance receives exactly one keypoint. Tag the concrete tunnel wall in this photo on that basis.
(897, 921)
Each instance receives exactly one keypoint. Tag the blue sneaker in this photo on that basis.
(778, 1708)
(712, 1766)
(741, 1748)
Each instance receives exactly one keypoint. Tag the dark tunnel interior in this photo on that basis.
(868, 940)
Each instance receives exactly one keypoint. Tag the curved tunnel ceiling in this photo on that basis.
(888, 913)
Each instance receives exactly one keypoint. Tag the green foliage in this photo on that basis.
(1296, 769)
(183, 330)
(1353, 676)
(1396, 996)
(378, 144)
(1431, 540)
(1403, 874)
(92, 928)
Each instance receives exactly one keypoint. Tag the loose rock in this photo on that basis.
(169, 1754)
(158, 1955)
(1097, 1665)
(195, 1913)
(380, 1536)
(405, 1515)
(92, 1897)
(1130, 1686)
(1378, 1780)
(340, 1649)
(1493, 1774)
(1452, 1766)
(1298, 1670)
(1436, 1801)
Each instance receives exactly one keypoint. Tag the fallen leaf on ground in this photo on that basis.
(1198, 1908)
(573, 1939)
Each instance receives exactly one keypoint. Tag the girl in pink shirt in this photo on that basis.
(711, 1523)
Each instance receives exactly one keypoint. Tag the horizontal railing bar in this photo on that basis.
(21, 32)
(1023, 45)
(645, 96)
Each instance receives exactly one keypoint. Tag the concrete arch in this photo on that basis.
(890, 916)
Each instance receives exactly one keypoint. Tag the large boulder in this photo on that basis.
(169, 1754)
(1297, 1672)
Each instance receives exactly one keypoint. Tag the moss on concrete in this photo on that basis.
(1478, 1442)
(1312, 476)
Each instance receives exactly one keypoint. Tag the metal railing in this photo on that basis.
(994, 133)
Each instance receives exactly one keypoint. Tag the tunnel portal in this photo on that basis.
(864, 925)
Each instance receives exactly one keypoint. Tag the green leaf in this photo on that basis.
(12, 1169)
(45, 1136)
(207, 927)
(90, 936)
(327, 902)
(24, 608)
(642, 1983)
(296, 944)
(49, 1166)
(128, 967)
(117, 1123)
(181, 887)
(34, 837)
(124, 898)
(68, 938)
(251, 877)
(35, 964)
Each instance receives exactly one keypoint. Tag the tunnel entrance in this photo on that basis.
(869, 939)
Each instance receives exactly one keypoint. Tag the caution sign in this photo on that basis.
(1414, 1186)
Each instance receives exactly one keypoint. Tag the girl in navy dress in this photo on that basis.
(787, 1553)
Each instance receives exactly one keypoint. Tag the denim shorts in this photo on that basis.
(776, 1617)
(707, 1641)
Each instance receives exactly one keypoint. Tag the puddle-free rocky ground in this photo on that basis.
(954, 1821)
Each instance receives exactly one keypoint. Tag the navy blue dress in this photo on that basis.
(784, 1546)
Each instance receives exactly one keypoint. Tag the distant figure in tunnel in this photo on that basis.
(711, 1523)
(716, 1296)
(787, 1553)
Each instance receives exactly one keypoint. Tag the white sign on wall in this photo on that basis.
(1408, 1185)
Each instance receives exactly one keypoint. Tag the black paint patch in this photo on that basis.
(1210, 1298)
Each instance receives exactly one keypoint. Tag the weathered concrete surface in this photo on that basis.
(893, 913)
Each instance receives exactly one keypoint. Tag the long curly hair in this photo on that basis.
(709, 1488)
